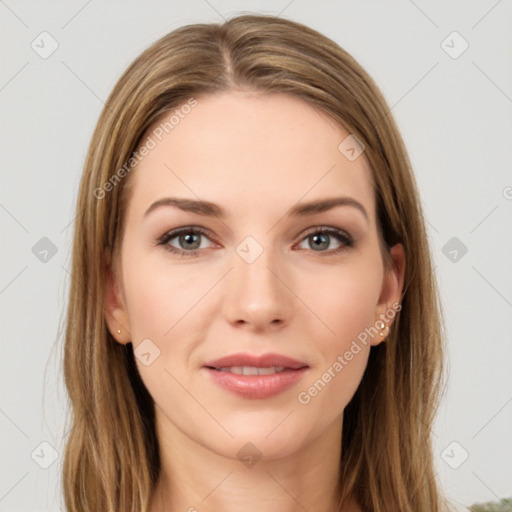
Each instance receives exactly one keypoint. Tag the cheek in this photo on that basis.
(351, 311)
(160, 308)
(346, 299)
(348, 313)
(148, 306)
(343, 357)
(158, 298)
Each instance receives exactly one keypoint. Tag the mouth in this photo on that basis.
(253, 377)
(250, 370)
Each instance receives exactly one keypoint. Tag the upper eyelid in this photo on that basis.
(322, 228)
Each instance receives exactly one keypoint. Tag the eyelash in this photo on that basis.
(338, 234)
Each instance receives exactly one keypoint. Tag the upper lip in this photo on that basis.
(261, 361)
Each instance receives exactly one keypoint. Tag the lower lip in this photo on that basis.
(257, 386)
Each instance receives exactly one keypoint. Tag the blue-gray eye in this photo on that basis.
(189, 240)
(320, 240)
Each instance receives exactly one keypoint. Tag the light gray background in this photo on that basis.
(455, 116)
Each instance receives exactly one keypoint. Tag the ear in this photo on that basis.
(116, 314)
(391, 293)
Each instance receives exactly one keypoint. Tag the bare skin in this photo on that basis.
(307, 297)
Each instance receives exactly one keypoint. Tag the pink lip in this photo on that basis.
(256, 386)
(263, 361)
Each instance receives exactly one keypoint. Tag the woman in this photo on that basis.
(253, 317)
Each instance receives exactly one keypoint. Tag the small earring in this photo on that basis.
(380, 324)
(118, 331)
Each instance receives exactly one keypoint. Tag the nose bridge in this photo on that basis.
(256, 293)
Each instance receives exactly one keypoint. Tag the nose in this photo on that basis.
(258, 296)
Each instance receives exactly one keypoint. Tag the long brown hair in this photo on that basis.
(112, 456)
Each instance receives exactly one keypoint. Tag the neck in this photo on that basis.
(194, 478)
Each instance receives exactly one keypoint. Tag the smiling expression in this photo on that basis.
(249, 234)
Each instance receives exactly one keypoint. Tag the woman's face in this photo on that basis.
(245, 268)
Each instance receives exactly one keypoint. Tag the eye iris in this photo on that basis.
(320, 240)
(190, 238)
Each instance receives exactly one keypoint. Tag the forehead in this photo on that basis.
(252, 153)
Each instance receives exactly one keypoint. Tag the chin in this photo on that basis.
(250, 450)
(269, 435)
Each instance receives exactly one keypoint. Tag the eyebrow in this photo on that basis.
(210, 209)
